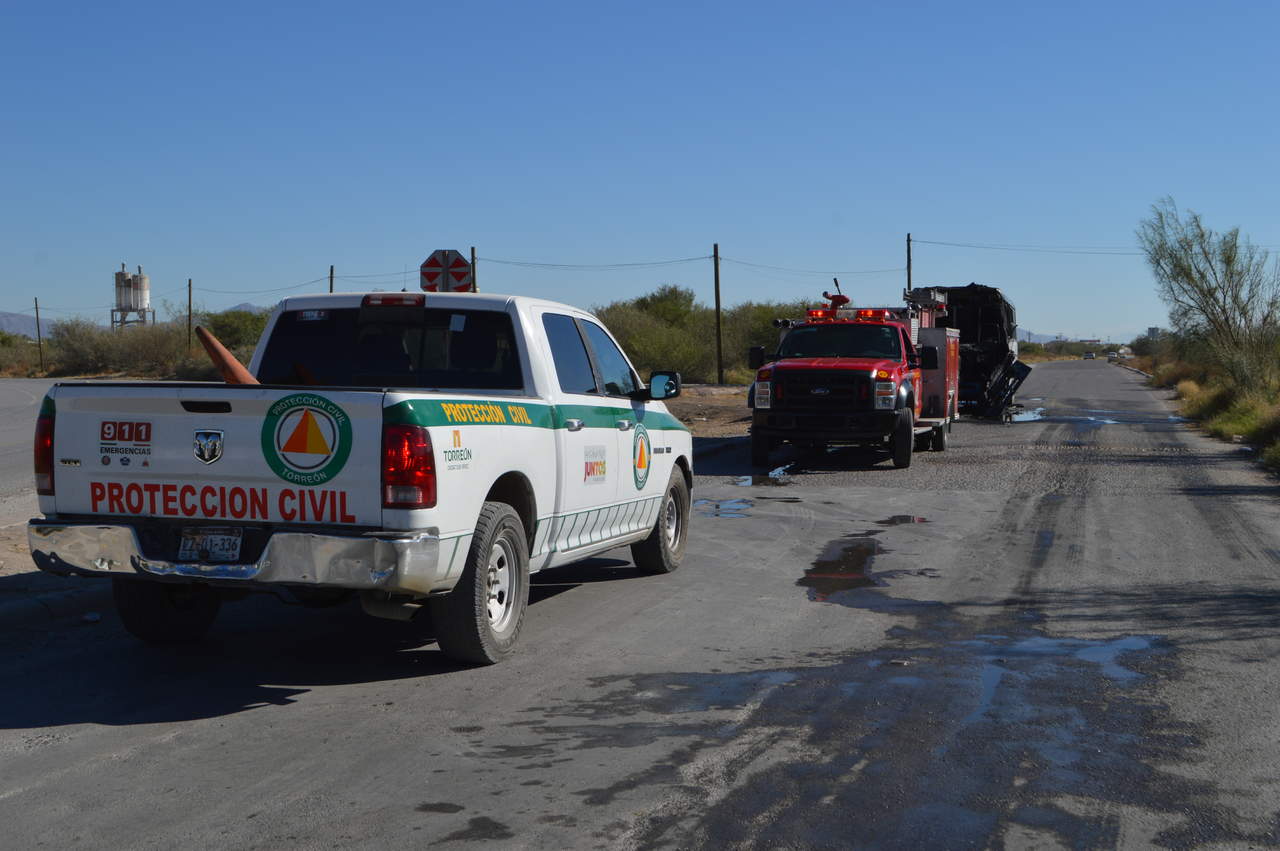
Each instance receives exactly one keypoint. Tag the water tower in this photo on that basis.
(133, 300)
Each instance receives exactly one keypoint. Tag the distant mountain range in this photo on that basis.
(18, 323)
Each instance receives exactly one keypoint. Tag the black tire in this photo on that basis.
(479, 621)
(761, 446)
(939, 439)
(163, 613)
(903, 440)
(663, 550)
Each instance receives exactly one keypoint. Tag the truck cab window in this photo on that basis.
(569, 354)
(618, 378)
(842, 341)
(471, 349)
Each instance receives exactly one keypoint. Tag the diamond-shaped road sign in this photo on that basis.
(446, 271)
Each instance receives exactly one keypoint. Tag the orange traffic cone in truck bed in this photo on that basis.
(233, 372)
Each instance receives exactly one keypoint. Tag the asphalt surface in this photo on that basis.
(19, 404)
(1058, 633)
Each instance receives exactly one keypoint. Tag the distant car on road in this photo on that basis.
(1112, 357)
(1090, 356)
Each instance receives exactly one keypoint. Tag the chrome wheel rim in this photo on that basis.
(500, 584)
(671, 512)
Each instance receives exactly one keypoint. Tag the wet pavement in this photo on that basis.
(1058, 633)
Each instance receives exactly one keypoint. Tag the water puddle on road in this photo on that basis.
(731, 508)
(1029, 416)
(970, 717)
(776, 477)
(900, 519)
(844, 565)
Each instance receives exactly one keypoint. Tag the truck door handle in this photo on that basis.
(625, 425)
(573, 425)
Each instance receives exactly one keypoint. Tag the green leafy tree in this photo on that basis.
(1219, 288)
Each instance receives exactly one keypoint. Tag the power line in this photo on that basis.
(592, 267)
(811, 271)
(1109, 251)
(257, 292)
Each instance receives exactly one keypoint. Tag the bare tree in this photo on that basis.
(1216, 286)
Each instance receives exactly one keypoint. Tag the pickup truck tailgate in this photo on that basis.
(218, 453)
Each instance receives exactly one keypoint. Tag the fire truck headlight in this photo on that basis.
(885, 391)
(764, 394)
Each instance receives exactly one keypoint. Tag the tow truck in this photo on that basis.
(884, 377)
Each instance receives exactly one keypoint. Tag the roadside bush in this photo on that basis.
(79, 347)
(235, 328)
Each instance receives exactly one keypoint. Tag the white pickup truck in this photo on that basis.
(422, 450)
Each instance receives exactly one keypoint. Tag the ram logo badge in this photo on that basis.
(208, 445)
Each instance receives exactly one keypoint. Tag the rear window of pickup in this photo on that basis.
(359, 347)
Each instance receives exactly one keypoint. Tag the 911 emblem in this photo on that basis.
(208, 446)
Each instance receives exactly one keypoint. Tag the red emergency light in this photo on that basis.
(819, 314)
(866, 315)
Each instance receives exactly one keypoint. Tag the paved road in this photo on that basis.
(19, 404)
(1060, 633)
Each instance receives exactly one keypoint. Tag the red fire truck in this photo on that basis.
(884, 377)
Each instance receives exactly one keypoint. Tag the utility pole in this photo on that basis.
(39, 336)
(188, 315)
(908, 262)
(330, 277)
(473, 270)
(715, 257)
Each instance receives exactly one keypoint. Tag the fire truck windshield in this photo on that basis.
(842, 341)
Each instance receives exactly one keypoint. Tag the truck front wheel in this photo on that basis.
(903, 440)
(663, 550)
(163, 613)
(761, 446)
(479, 621)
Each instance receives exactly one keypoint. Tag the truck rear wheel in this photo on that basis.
(479, 621)
(663, 550)
(760, 449)
(903, 439)
(164, 613)
(939, 443)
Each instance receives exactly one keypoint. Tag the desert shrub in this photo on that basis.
(79, 347)
(1271, 456)
(1240, 415)
(235, 328)
(1208, 402)
(150, 350)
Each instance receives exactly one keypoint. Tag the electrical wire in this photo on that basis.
(810, 271)
(592, 267)
(257, 292)
(1100, 251)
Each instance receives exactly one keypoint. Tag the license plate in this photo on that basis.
(210, 544)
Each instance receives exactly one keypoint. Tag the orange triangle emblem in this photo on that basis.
(642, 460)
(306, 437)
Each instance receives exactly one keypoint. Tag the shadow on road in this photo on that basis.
(259, 653)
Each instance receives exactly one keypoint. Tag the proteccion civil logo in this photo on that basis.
(641, 456)
(306, 439)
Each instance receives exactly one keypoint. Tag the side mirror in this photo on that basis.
(664, 385)
(755, 357)
(913, 361)
(928, 357)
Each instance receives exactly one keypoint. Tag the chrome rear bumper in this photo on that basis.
(398, 563)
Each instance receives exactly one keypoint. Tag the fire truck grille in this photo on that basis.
(844, 390)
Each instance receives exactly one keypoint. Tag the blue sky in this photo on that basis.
(248, 146)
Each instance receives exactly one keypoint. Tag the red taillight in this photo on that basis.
(408, 467)
(44, 454)
(394, 300)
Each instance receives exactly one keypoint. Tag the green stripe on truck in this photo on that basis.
(458, 412)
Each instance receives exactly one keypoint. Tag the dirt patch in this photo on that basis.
(712, 411)
(15, 557)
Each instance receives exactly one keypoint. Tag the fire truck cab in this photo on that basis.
(884, 377)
